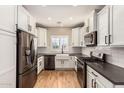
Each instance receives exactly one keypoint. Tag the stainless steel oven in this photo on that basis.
(90, 39)
(81, 73)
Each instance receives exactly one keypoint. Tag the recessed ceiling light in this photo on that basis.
(49, 18)
(43, 5)
(70, 18)
(74, 5)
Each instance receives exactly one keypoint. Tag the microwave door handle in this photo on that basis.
(105, 39)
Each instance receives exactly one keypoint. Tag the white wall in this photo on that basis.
(114, 55)
(58, 31)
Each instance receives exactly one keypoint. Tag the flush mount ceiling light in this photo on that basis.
(49, 18)
(60, 23)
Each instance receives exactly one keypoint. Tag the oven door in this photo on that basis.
(81, 74)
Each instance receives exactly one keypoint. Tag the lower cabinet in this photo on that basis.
(7, 60)
(64, 64)
(40, 64)
(96, 80)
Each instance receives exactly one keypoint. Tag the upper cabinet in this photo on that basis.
(22, 18)
(92, 21)
(103, 26)
(42, 37)
(26, 21)
(117, 25)
(77, 37)
(8, 18)
(110, 26)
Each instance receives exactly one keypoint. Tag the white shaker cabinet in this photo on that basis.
(92, 21)
(42, 37)
(40, 64)
(7, 59)
(76, 37)
(103, 26)
(22, 18)
(8, 18)
(90, 80)
(117, 25)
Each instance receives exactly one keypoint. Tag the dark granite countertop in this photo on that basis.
(113, 73)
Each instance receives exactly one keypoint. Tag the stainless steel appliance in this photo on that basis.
(90, 39)
(81, 72)
(26, 60)
(81, 65)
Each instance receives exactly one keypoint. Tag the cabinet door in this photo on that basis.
(7, 59)
(117, 31)
(75, 36)
(90, 80)
(42, 37)
(8, 18)
(58, 64)
(22, 18)
(103, 26)
(99, 84)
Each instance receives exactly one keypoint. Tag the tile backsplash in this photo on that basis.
(115, 55)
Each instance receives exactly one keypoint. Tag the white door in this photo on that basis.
(103, 26)
(22, 18)
(7, 59)
(90, 80)
(8, 17)
(117, 31)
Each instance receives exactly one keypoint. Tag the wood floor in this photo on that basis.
(57, 79)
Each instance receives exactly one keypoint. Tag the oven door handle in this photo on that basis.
(82, 66)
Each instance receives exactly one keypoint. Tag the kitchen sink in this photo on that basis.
(62, 56)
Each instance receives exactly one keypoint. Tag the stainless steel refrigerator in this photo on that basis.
(26, 60)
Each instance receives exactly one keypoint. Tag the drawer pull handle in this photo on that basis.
(94, 74)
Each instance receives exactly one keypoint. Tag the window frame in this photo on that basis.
(59, 36)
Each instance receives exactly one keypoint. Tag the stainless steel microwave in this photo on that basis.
(90, 39)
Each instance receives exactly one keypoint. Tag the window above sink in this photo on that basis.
(57, 41)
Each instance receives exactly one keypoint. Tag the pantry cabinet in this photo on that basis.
(103, 27)
(7, 60)
(77, 37)
(8, 18)
(42, 37)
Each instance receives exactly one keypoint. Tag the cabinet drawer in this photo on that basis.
(40, 59)
(99, 77)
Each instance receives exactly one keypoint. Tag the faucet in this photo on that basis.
(62, 49)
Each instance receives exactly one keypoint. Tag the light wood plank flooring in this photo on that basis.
(57, 79)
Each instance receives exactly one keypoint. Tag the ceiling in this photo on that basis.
(61, 15)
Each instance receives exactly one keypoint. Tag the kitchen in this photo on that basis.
(62, 46)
